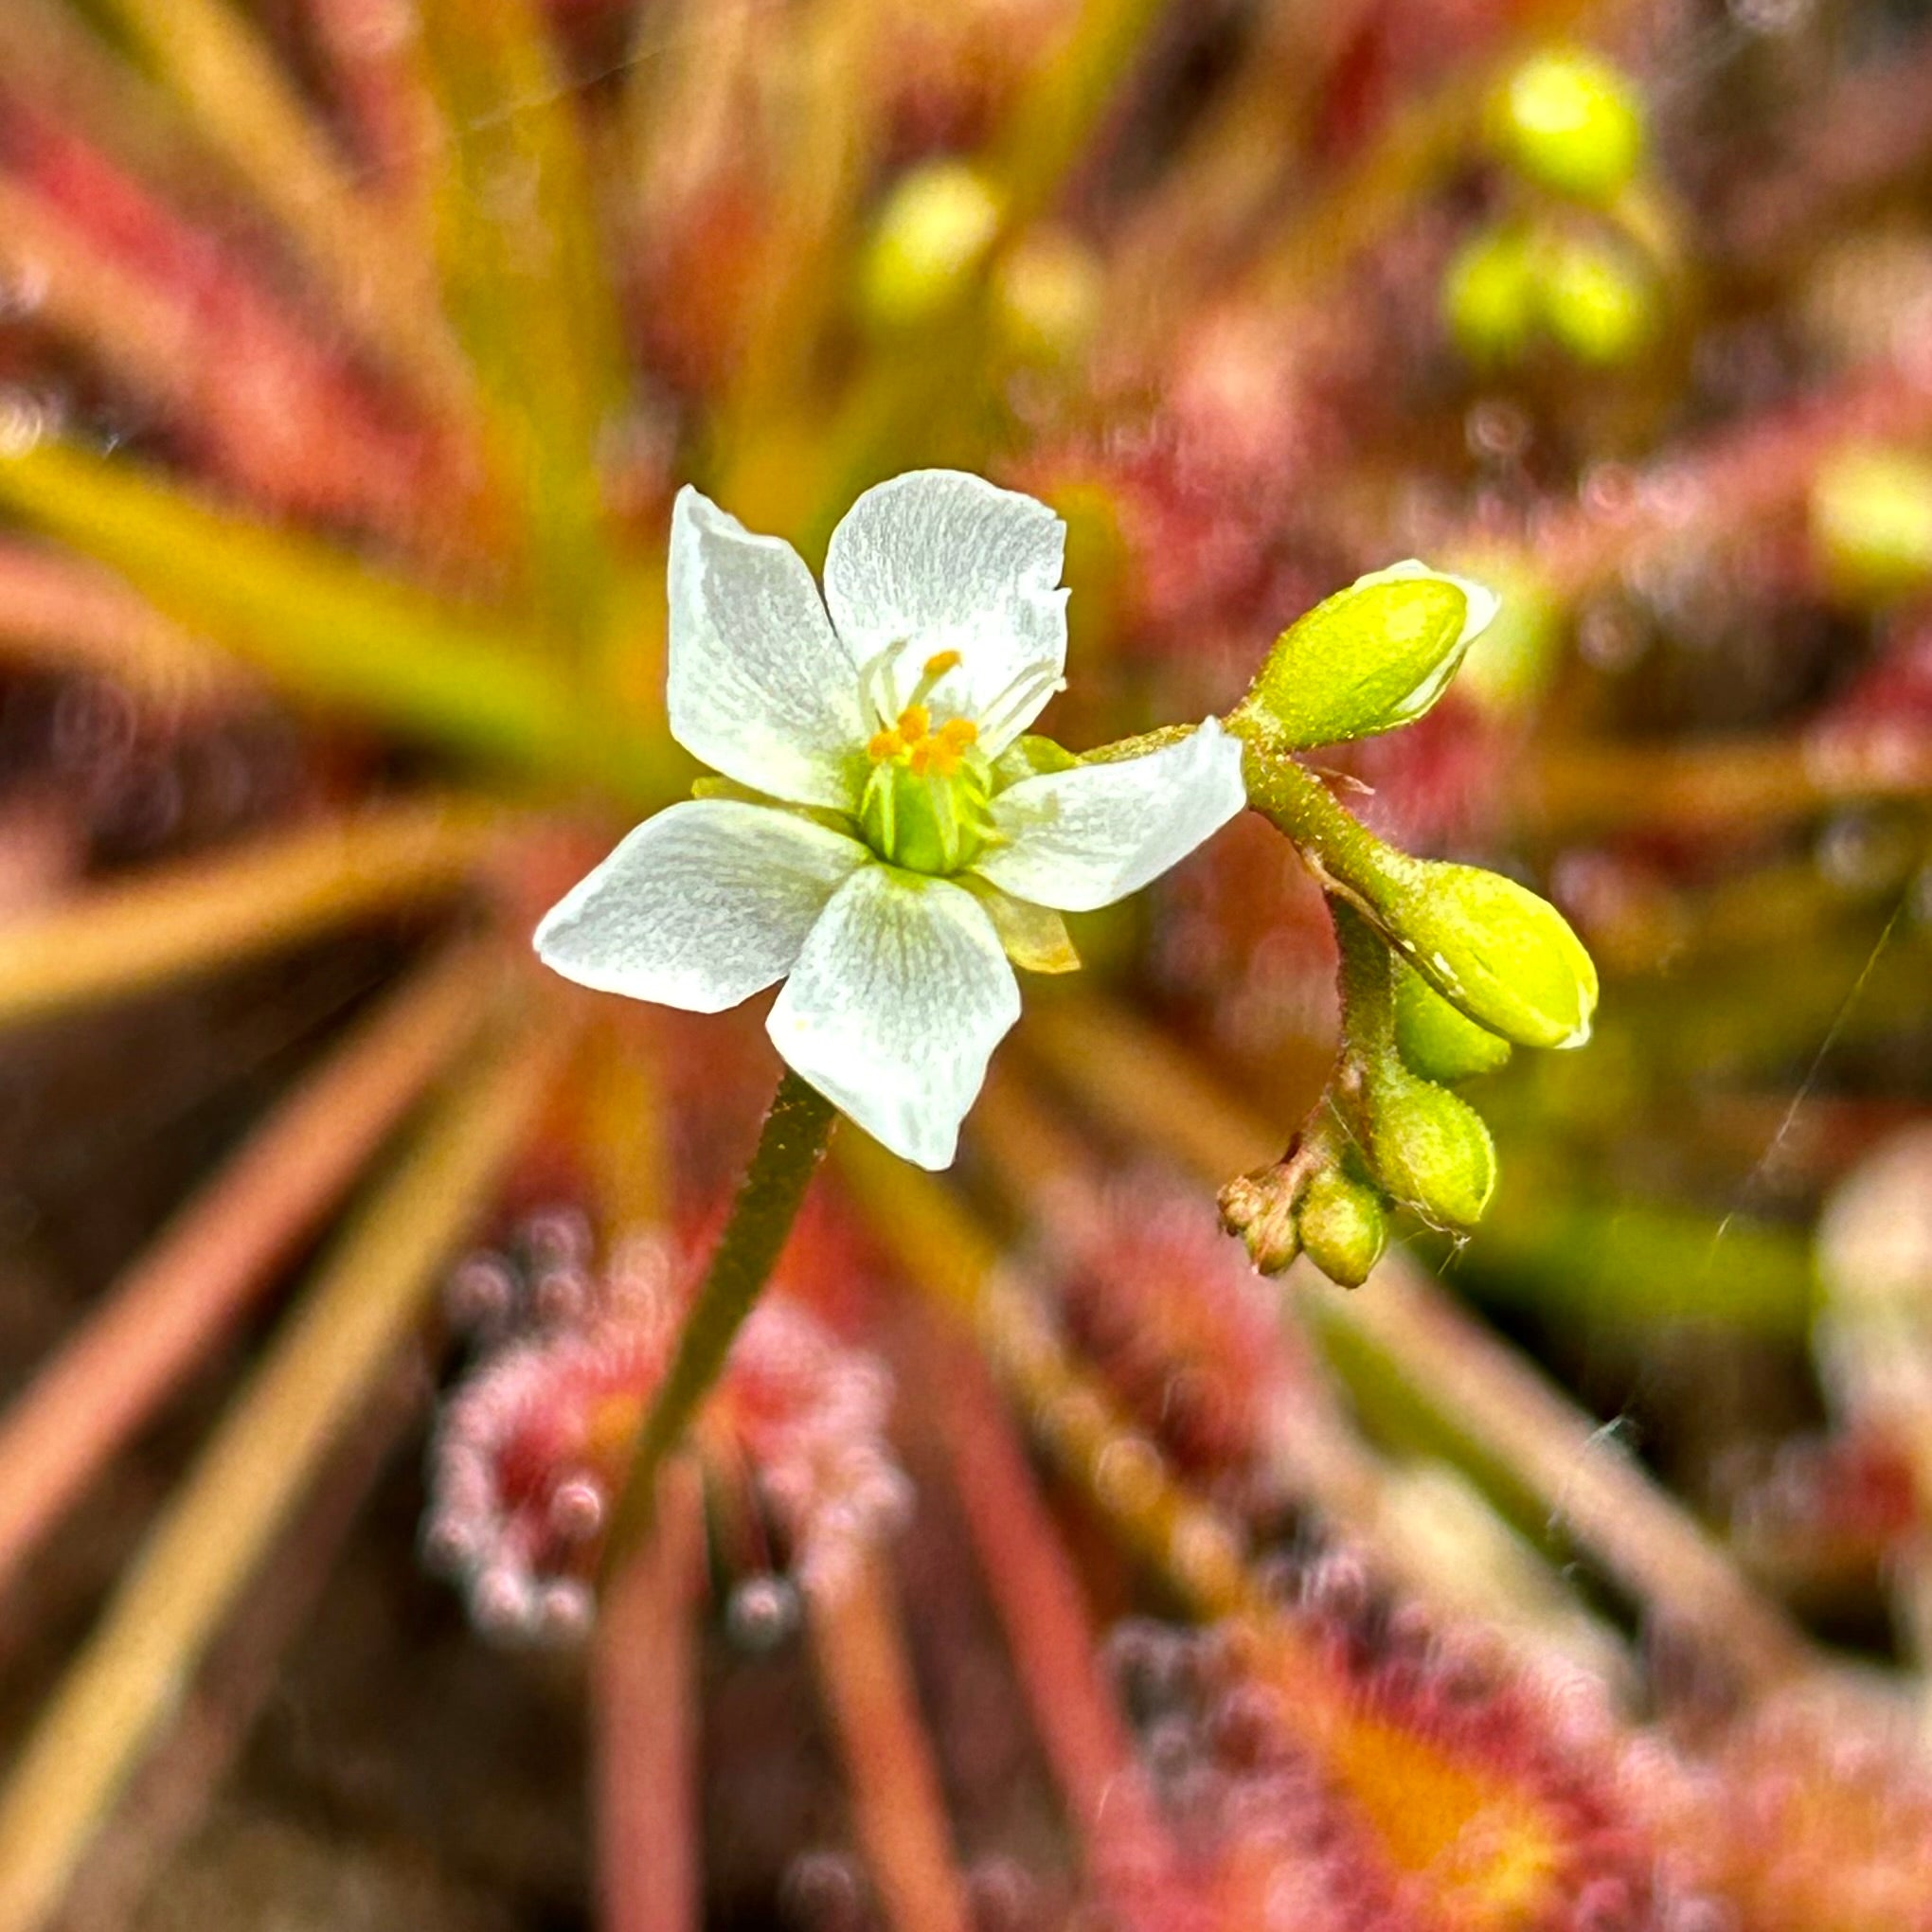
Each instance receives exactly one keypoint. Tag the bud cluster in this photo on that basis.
(1577, 257)
(1444, 966)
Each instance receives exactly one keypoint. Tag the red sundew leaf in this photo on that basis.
(270, 405)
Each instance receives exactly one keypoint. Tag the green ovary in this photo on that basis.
(923, 821)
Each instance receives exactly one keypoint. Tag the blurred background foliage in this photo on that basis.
(1047, 1570)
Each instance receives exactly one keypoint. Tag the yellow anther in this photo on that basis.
(914, 722)
(884, 746)
(941, 662)
(942, 752)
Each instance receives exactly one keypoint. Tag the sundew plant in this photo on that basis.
(963, 967)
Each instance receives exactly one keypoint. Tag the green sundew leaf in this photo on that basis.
(324, 626)
(526, 285)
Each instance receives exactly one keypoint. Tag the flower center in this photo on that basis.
(924, 805)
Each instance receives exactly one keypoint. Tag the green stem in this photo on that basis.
(1296, 801)
(789, 1146)
(1368, 985)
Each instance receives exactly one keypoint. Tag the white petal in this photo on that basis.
(701, 907)
(758, 685)
(1085, 837)
(941, 560)
(895, 1005)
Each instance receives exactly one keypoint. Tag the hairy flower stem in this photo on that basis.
(789, 1146)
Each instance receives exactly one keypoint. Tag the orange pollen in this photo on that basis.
(942, 752)
(913, 742)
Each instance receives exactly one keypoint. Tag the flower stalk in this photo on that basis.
(789, 1146)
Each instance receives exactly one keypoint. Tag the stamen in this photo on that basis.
(944, 752)
(914, 722)
(937, 666)
(1019, 696)
(883, 746)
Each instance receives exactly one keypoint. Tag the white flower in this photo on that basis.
(888, 841)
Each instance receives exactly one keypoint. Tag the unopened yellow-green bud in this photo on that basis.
(1437, 1041)
(1374, 656)
(1342, 1227)
(1048, 297)
(932, 233)
(1489, 296)
(1431, 1150)
(1596, 298)
(1571, 123)
(1871, 521)
(1492, 948)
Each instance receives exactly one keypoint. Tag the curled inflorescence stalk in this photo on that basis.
(1443, 967)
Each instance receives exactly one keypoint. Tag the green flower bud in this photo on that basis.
(1374, 656)
(933, 232)
(1571, 123)
(1049, 294)
(1437, 1041)
(1871, 521)
(1342, 1227)
(1491, 948)
(1489, 296)
(1596, 299)
(1431, 1150)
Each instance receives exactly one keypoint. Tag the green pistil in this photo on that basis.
(924, 822)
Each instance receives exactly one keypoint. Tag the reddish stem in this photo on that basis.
(897, 1805)
(644, 1703)
(1730, 482)
(1132, 1858)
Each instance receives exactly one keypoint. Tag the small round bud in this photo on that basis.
(1342, 1227)
(1871, 521)
(1492, 948)
(1437, 1041)
(1367, 659)
(1571, 123)
(1048, 297)
(1489, 296)
(1596, 299)
(1431, 1150)
(933, 232)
